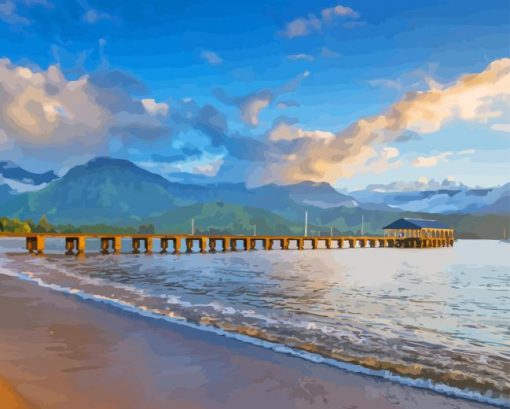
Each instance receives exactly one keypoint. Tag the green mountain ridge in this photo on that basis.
(117, 193)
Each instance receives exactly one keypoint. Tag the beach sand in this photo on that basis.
(57, 351)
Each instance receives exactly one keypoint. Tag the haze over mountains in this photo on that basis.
(117, 192)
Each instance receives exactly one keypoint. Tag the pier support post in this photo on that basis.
(285, 244)
(117, 245)
(105, 244)
(212, 245)
(39, 244)
(314, 244)
(328, 243)
(30, 244)
(233, 244)
(177, 245)
(226, 244)
(252, 243)
(69, 246)
(164, 245)
(340, 243)
(148, 245)
(189, 246)
(203, 244)
(267, 245)
(135, 242)
(81, 244)
(352, 243)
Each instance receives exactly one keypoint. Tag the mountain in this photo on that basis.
(452, 199)
(106, 190)
(219, 217)
(103, 190)
(14, 179)
(15, 176)
(118, 193)
(321, 195)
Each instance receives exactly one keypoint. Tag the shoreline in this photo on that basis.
(332, 381)
(10, 398)
(306, 352)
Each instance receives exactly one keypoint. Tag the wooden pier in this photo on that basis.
(144, 243)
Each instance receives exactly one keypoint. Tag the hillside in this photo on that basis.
(116, 192)
(219, 217)
(101, 191)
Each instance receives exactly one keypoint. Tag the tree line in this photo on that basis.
(14, 225)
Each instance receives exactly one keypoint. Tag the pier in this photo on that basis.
(177, 243)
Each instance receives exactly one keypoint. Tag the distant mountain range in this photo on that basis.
(445, 200)
(14, 179)
(117, 192)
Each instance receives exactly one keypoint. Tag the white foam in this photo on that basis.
(316, 358)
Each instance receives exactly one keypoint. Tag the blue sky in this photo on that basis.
(259, 91)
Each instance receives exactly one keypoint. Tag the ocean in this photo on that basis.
(431, 318)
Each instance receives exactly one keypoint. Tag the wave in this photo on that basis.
(256, 338)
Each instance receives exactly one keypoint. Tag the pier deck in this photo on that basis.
(75, 243)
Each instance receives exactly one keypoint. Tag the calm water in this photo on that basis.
(437, 314)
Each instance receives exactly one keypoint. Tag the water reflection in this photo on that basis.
(441, 313)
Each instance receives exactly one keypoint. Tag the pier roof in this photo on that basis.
(407, 223)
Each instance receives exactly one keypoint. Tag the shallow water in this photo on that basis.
(439, 314)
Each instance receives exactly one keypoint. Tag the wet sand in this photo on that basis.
(57, 351)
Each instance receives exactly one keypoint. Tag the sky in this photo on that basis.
(351, 93)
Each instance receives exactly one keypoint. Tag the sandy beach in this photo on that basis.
(57, 351)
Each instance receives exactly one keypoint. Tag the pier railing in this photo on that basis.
(75, 243)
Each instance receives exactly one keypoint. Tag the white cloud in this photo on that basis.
(476, 97)
(155, 108)
(430, 161)
(434, 160)
(211, 57)
(422, 184)
(339, 10)
(288, 132)
(42, 111)
(501, 127)
(304, 26)
(296, 57)
(252, 104)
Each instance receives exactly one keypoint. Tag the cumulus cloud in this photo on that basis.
(304, 26)
(284, 131)
(211, 57)
(155, 108)
(474, 97)
(214, 125)
(42, 111)
(252, 104)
